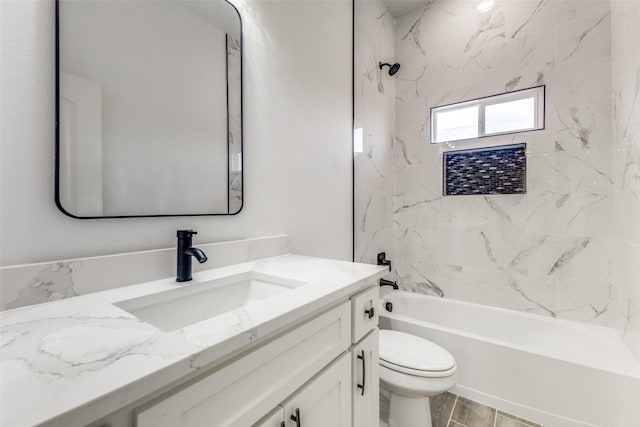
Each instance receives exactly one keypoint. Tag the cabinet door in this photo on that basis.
(365, 387)
(325, 400)
(274, 418)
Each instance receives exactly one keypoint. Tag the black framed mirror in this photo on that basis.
(148, 108)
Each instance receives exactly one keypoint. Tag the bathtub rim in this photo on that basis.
(632, 372)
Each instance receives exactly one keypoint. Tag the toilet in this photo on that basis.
(412, 369)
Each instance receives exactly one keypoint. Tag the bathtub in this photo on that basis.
(551, 371)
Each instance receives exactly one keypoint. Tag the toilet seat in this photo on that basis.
(413, 355)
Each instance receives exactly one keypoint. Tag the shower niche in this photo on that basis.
(484, 171)
(148, 108)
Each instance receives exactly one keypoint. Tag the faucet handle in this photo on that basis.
(382, 260)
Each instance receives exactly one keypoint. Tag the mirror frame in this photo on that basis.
(57, 131)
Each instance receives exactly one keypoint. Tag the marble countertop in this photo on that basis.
(74, 361)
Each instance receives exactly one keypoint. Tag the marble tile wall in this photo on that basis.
(549, 251)
(625, 19)
(23, 285)
(375, 114)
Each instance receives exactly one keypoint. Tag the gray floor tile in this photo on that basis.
(441, 407)
(507, 422)
(446, 411)
(470, 413)
(520, 421)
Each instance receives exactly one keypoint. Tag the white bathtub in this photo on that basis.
(554, 372)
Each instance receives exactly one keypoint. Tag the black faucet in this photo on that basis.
(382, 260)
(385, 282)
(185, 252)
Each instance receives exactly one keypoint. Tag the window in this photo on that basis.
(510, 112)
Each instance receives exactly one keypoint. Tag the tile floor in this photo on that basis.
(450, 410)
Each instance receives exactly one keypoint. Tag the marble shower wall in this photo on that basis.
(625, 18)
(375, 114)
(548, 252)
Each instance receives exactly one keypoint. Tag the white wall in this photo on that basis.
(297, 139)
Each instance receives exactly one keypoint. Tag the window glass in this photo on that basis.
(457, 124)
(510, 116)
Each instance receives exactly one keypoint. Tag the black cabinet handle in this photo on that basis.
(282, 424)
(370, 312)
(364, 371)
(296, 418)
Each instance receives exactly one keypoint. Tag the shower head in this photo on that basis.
(392, 68)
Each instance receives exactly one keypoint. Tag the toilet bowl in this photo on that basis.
(413, 369)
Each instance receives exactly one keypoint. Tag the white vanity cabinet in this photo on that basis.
(323, 401)
(346, 393)
(257, 342)
(323, 372)
(243, 391)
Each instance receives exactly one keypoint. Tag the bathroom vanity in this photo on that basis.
(294, 341)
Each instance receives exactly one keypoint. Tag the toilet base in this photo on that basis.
(409, 411)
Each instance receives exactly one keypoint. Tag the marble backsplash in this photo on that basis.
(23, 285)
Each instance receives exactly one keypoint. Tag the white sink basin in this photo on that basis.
(194, 302)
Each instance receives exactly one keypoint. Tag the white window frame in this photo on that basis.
(538, 93)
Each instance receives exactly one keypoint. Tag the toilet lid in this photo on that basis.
(412, 352)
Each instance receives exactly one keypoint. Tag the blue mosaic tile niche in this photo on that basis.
(493, 170)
